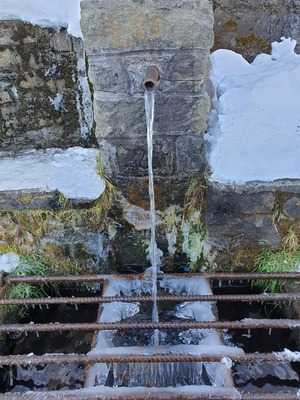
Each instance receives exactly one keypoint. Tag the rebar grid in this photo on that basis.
(247, 324)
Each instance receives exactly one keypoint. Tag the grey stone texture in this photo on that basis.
(250, 26)
(45, 102)
(243, 220)
(41, 92)
(122, 38)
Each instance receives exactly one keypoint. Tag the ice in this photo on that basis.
(57, 102)
(8, 262)
(254, 130)
(288, 355)
(72, 172)
(193, 392)
(162, 374)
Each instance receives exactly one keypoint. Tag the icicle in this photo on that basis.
(11, 377)
(270, 331)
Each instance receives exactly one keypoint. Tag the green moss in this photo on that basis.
(278, 261)
(230, 26)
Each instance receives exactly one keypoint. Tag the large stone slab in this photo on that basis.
(31, 178)
(146, 24)
(242, 220)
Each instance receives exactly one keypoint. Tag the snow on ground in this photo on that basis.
(8, 262)
(73, 172)
(44, 12)
(255, 128)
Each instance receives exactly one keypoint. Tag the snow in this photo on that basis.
(73, 172)
(8, 262)
(254, 132)
(288, 355)
(55, 13)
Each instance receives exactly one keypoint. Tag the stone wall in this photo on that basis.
(250, 26)
(122, 38)
(46, 109)
(243, 220)
(41, 93)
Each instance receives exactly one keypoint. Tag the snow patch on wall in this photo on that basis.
(73, 172)
(254, 130)
(8, 262)
(46, 13)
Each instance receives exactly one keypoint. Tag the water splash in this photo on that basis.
(150, 108)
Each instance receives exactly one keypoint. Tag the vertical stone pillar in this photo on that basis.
(122, 38)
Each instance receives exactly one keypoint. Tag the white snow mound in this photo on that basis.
(54, 13)
(255, 127)
(73, 172)
(8, 262)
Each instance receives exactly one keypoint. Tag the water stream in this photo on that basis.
(150, 111)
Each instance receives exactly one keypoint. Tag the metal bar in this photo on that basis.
(269, 396)
(218, 325)
(98, 278)
(2, 285)
(70, 279)
(147, 394)
(17, 360)
(249, 298)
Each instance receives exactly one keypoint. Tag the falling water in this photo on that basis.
(149, 107)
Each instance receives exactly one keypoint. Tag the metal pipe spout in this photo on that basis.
(152, 78)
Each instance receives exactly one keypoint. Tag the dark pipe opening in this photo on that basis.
(152, 78)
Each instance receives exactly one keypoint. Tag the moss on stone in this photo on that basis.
(252, 44)
(230, 26)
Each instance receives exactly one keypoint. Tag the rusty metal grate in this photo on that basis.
(25, 360)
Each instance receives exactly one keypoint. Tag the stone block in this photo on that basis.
(129, 157)
(169, 190)
(130, 24)
(173, 115)
(240, 223)
(182, 71)
(190, 157)
(292, 208)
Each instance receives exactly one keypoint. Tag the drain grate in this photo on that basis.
(157, 357)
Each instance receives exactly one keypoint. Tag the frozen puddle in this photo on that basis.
(204, 376)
